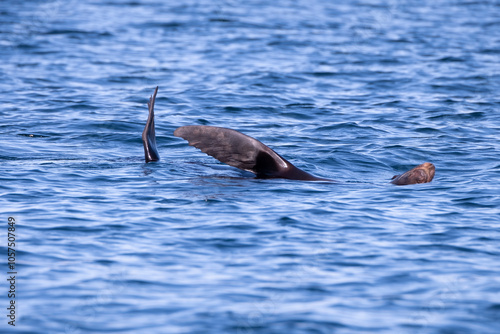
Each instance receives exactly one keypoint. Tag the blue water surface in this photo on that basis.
(356, 91)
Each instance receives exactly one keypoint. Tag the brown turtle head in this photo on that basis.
(421, 174)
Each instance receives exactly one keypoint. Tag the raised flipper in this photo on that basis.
(421, 174)
(148, 135)
(241, 151)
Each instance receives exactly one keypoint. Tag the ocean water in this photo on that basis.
(356, 91)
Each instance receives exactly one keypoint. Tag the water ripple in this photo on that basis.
(353, 91)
